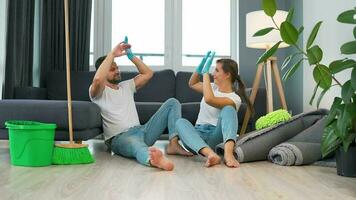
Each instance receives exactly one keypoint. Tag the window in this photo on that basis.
(167, 33)
(205, 26)
(143, 22)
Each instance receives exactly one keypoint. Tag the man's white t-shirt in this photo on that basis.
(209, 114)
(118, 108)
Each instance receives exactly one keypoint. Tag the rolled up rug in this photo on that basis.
(256, 145)
(302, 149)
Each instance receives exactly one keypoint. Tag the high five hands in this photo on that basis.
(206, 62)
(120, 49)
(129, 53)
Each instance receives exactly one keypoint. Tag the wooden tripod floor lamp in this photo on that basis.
(256, 21)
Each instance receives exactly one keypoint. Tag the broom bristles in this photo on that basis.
(71, 156)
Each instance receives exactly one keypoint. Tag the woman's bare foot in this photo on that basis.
(229, 157)
(158, 160)
(174, 148)
(230, 161)
(213, 159)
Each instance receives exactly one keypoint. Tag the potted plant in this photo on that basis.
(340, 130)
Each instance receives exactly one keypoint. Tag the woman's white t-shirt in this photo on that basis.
(209, 114)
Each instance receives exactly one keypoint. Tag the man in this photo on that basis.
(122, 129)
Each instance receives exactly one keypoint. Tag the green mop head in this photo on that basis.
(272, 118)
(64, 155)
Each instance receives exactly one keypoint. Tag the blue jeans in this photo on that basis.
(134, 143)
(207, 135)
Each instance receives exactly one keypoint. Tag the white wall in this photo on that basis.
(3, 9)
(332, 35)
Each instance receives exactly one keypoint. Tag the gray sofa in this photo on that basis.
(49, 104)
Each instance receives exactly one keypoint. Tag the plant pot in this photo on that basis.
(346, 162)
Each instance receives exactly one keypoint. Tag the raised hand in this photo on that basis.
(208, 63)
(129, 53)
(202, 63)
(120, 49)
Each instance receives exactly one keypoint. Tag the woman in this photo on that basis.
(217, 119)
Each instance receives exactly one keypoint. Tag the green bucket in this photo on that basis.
(31, 143)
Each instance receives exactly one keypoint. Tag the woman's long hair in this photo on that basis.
(230, 66)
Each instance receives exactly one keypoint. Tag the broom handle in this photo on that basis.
(69, 97)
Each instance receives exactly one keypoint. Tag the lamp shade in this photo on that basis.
(258, 20)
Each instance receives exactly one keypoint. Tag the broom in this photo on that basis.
(72, 153)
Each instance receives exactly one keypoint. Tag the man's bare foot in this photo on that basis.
(158, 160)
(213, 159)
(230, 161)
(174, 148)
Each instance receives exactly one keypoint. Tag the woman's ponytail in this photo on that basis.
(241, 91)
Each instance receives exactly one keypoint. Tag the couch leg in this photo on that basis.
(78, 142)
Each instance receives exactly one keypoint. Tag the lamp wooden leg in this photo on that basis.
(256, 83)
(277, 79)
(269, 87)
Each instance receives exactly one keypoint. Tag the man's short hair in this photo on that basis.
(99, 61)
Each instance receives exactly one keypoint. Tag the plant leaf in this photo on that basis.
(352, 110)
(340, 65)
(353, 78)
(286, 62)
(348, 48)
(347, 17)
(321, 97)
(314, 92)
(269, 7)
(290, 15)
(322, 75)
(263, 32)
(343, 121)
(329, 142)
(355, 32)
(268, 53)
(347, 91)
(300, 30)
(315, 54)
(288, 33)
(313, 34)
(333, 110)
(346, 143)
(291, 70)
(288, 59)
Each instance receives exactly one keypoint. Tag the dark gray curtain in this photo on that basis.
(19, 45)
(53, 36)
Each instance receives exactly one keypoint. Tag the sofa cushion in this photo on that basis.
(57, 86)
(160, 88)
(146, 110)
(184, 93)
(86, 115)
(162, 81)
(190, 111)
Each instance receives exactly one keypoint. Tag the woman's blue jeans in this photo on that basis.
(207, 135)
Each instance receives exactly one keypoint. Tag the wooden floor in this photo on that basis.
(114, 177)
